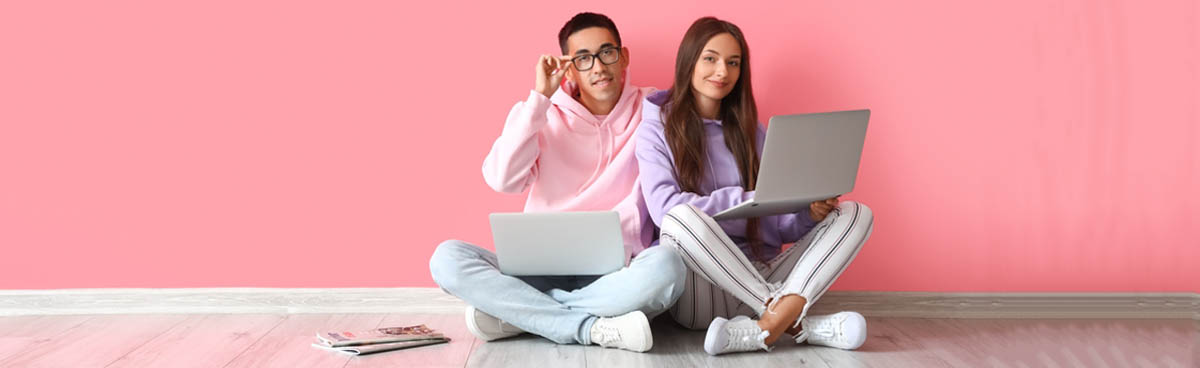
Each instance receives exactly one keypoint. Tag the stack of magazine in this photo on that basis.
(380, 339)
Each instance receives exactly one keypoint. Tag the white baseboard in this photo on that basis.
(1014, 305)
(433, 300)
(227, 300)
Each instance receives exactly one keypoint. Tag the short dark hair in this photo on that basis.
(584, 21)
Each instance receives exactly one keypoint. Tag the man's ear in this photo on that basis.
(571, 74)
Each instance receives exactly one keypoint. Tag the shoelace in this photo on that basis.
(606, 334)
(827, 330)
(746, 338)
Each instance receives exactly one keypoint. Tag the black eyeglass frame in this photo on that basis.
(591, 58)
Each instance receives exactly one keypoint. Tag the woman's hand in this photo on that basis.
(818, 210)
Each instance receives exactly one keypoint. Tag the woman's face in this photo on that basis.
(718, 68)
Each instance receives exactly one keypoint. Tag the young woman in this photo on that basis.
(698, 150)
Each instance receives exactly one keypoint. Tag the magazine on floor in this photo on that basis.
(378, 348)
(379, 340)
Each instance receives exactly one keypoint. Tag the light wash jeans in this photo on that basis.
(559, 308)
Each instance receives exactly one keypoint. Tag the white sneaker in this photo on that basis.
(629, 331)
(738, 334)
(844, 330)
(488, 328)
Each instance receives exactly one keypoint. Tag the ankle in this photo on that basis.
(794, 330)
(774, 327)
(782, 316)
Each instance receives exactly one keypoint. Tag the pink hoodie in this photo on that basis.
(572, 161)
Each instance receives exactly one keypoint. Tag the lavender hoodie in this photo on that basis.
(721, 185)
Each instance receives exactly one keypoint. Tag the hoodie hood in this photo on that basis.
(656, 102)
(564, 98)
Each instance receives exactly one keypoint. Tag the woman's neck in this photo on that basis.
(708, 108)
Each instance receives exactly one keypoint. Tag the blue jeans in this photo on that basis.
(559, 308)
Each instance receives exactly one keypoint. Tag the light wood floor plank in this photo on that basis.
(1196, 341)
(289, 344)
(18, 334)
(38, 326)
(886, 346)
(1090, 343)
(958, 344)
(525, 350)
(94, 343)
(203, 340)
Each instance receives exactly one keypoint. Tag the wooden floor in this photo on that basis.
(280, 340)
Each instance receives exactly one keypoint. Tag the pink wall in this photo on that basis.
(1014, 146)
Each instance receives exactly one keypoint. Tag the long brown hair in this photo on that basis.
(738, 113)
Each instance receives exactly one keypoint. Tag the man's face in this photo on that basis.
(602, 82)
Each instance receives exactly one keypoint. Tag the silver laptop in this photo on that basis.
(806, 157)
(558, 243)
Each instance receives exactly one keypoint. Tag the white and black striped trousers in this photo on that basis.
(723, 282)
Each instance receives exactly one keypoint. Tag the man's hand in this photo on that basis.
(549, 72)
(819, 209)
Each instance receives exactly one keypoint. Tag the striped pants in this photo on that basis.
(723, 282)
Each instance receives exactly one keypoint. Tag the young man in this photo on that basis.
(572, 148)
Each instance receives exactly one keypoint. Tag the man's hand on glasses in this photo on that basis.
(549, 73)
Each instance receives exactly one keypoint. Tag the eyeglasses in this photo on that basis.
(607, 56)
